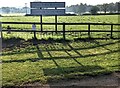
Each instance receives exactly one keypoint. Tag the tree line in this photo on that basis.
(100, 8)
(77, 9)
(14, 10)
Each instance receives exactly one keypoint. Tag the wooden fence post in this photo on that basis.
(56, 23)
(1, 30)
(41, 23)
(111, 31)
(89, 30)
(64, 31)
(1, 38)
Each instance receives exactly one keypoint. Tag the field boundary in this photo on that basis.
(64, 31)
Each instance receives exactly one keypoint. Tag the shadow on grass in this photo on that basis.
(11, 42)
(71, 73)
(20, 43)
(69, 70)
(68, 73)
(39, 51)
(101, 45)
(50, 58)
(16, 41)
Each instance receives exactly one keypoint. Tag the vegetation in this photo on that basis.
(68, 19)
(26, 60)
(78, 9)
(94, 10)
(7, 10)
(47, 61)
(106, 7)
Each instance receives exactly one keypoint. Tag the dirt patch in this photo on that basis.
(102, 81)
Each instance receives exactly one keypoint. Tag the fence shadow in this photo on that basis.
(11, 42)
(55, 48)
(50, 58)
(39, 52)
(68, 71)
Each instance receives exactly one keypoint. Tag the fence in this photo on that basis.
(110, 30)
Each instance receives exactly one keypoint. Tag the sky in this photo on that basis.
(21, 3)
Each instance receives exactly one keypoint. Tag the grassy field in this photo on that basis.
(25, 60)
(61, 19)
(66, 19)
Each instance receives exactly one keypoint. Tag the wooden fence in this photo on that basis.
(64, 31)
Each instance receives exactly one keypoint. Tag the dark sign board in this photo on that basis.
(47, 8)
(47, 4)
(47, 11)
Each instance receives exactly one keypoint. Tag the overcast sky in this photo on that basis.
(21, 3)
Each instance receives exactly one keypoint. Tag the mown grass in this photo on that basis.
(66, 19)
(26, 62)
(68, 36)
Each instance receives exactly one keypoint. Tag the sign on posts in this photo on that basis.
(47, 8)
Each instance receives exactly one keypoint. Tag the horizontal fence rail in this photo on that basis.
(64, 31)
(61, 23)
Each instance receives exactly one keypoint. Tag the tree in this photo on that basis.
(111, 7)
(105, 7)
(79, 8)
(94, 10)
(118, 7)
(82, 8)
(6, 9)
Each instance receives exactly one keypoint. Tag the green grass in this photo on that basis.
(53, 61)
(66, 19)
